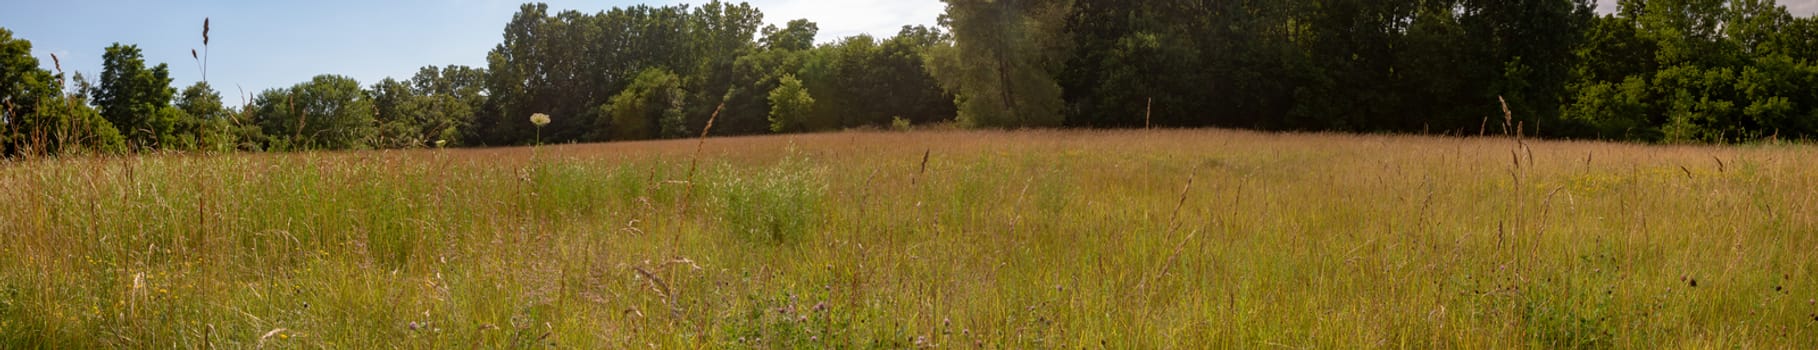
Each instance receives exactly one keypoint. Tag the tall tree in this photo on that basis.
(36, 116)
(909, 92)
(719, 33)
(397, 126)
(516, 80)
(845, 81)
(136, 99)
(22, 85)
(758, 73)
(1129, 57)
(1533, 42)
(450, 100)
(1001, 65)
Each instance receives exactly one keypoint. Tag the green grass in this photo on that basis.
(1007, 240)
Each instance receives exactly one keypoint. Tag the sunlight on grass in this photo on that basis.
(1038, 239)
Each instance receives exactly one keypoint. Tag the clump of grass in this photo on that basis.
(779, 205)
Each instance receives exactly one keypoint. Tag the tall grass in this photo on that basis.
(1037, 239)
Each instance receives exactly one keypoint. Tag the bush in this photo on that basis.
(900, 124)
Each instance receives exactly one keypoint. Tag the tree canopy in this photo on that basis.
(1652, 71)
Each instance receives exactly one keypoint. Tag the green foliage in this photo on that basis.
(900, 67)
(423, 111)
(573, 63)
(718, 34)
(778, 206)
(900, 124)
(861, 81)
(1614, 110)
(206, 123)
(440, 119)
(1655, 70)
(396, 128)
(999, 68)
(797, 35)
(1714, 71)
(1127, 54)
(28, 97)
(846, 88)
(756, 75)
(165, 121)
(650, 108)
(135, 98)
(67, 124)
(1688, 31)
(1699, 105)
(790, 105)
(328, 112)
(447, 104)
(22, 83)
(37, 117)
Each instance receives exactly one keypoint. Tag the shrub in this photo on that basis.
(900, 124)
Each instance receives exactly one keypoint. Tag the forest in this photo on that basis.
(1655, 71)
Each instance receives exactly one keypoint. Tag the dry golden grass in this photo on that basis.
(1029, 239)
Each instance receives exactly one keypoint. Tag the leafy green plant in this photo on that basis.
(900, 124)
(789, 105)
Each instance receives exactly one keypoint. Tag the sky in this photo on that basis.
(258, 45)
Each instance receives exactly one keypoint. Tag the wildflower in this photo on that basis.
(539, 120)
(441, 143)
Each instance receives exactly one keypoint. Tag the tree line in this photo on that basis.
(1653, 71)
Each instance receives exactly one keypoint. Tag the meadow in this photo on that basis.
(949, 239)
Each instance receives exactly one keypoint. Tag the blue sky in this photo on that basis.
(258, 45)
(265, 44)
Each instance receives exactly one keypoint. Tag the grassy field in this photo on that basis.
(1038, 239)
